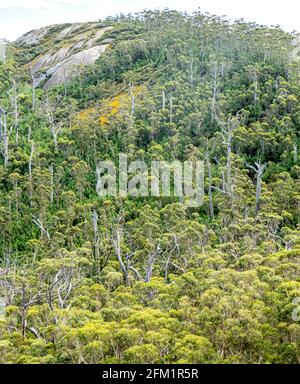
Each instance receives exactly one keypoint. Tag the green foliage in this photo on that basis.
(147, 280)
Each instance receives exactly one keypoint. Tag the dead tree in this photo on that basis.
(48, 108)
(295, 152)
(215, 87)
(163, 99)
(51, 171)
(132, 96)
(125, 260)
(64, 286)
(27, 300)
(227, 131)
(30, 160)
(4, 135)
(207, 157)
(171, 108)
(150, 263)
(13, 96)
(192, 71)
(169, 257)
(116, 240)
(259, 170)
(96, 235)
(39, 223)
(253, 76)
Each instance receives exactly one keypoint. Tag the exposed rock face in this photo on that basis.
(33, 37)
(69, 30)
(97, 36)
(72, 47)
(66, 69)
(48, 59)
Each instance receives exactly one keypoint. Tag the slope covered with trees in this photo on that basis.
(85, 279)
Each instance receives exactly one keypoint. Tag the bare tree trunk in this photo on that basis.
(168, 261)
(23, 313)
(149, 268)
(171, 109)
(4, 135)
(259, 171)
(132, 100)
(41, 226)
(163, 99)
(54, 135)
(35, 332)
(96, 235)
(192, 71)
(150, 263)
(227, 133)
(228, 165)
(254, 78)
(117, 245)
(211, 204)
(30, 161)
(51, 184)
(29, 133)
(255, 88)
(49, 107)
(222, 69)
(259, 174)
(215, 86)
(23, 322)
(295, 152)
(14, 103)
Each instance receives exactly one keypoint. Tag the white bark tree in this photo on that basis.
(4, 136)
(13, 96)
(48, 108)
(259, 170)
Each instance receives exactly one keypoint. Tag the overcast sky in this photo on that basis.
(20, 16)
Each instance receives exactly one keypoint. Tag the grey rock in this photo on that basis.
(69, 30)
(45, 60)
(107, 41)
(97, 36)
(70, 67)
(73, 46)
(78, 45)
(33, 37)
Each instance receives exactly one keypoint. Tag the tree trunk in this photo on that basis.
(295, 152)
(4, 135)
(96, 235)
(51, 184)
(211, 205)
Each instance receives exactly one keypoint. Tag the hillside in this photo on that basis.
(146, 279)
(60, 51)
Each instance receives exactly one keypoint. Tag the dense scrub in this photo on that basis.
(148, 280)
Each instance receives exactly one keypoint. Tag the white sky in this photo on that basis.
(20, 16)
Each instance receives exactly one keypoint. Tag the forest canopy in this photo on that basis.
(89, 279)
